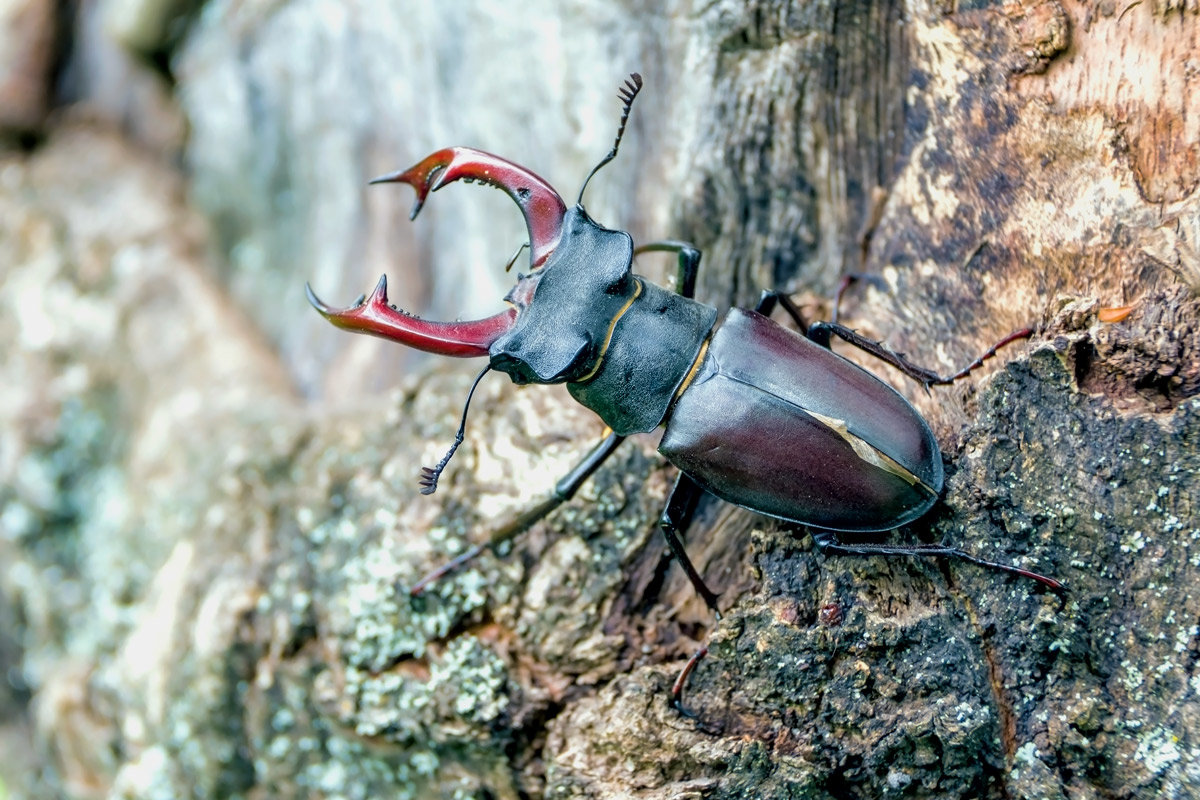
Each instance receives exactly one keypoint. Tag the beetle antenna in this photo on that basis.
(429, 477)
(630, 90)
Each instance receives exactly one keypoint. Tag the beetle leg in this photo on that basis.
(771, 297)
(675, 517)
(564, 490)
(541, 205)
(689, 263)
(681, 505)
(822, 332)
(681, 681)
(829, 543)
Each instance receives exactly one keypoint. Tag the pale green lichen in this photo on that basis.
(383, 623)
(351, 770)
(475, 678)
(468, 683)
(1158, 750)
(147, 777)
(1026, 754)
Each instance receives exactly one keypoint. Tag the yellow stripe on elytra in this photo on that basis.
(867, 452)
(612, 326)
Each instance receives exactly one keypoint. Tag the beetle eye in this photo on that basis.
(619, 286)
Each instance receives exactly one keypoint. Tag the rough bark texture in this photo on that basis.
(202, 572)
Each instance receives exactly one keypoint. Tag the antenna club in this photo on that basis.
(627, 93)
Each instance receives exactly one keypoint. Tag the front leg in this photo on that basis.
(689, 263)
(564, 490)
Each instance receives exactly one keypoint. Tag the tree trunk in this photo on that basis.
(209, 505)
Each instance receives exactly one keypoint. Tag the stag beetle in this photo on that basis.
(754, 413)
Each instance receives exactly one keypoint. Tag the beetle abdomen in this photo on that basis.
(783, 426)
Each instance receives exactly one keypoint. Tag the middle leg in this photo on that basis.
(681, 506)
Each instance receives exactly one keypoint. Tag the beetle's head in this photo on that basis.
(565, 310)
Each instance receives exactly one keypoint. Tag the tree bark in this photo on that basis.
(210, 510)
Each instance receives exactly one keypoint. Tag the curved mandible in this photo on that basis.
(375, 316)
(541, 205)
